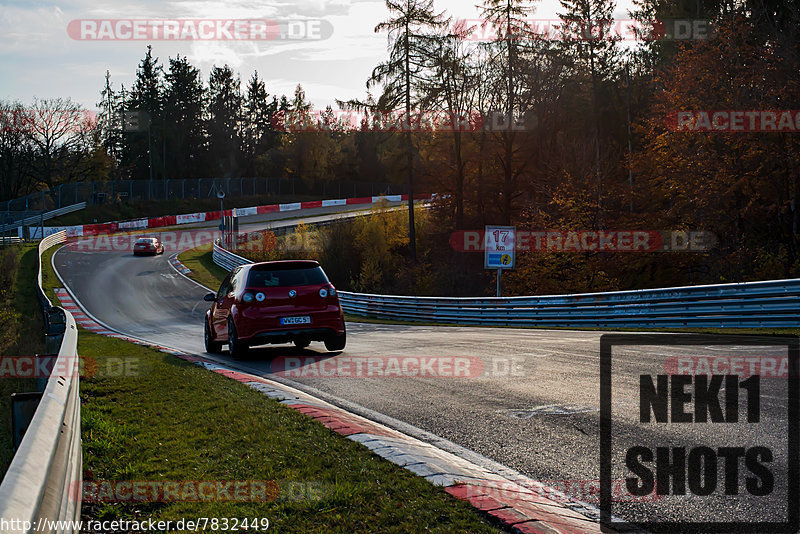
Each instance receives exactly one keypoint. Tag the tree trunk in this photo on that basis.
(412, 241)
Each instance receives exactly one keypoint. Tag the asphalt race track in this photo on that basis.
(530, 400)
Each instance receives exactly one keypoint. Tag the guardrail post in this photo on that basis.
(45, 361)
(55, 324)
(23, 408)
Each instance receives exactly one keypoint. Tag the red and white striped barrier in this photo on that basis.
(193, 218)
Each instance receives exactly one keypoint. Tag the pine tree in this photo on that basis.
(225, 114)
(185, 103)
(410, 32)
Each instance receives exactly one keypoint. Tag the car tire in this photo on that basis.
(212, 347)
(236, 348)
(302, 343)
(337, 342)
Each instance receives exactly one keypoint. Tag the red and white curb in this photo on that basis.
(520, 506)
(84, 320)
(178, 266)
(515, 501)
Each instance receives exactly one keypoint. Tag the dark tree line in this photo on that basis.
(595, 151)
(186, 128)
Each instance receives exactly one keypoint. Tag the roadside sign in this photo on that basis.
(135, 121)
(500, 249)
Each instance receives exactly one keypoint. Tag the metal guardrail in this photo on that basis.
(774, 303)
(46, 216)
(227, 260)
(43, 482)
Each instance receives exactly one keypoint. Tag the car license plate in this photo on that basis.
(303, 319)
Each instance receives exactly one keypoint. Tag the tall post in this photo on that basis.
(149, 152)
(630, 136)
(499, 277)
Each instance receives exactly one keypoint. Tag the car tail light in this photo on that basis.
(332, 291)
(260, 297)
(323, 292)
(247, 297)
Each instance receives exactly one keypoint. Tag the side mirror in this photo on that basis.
(210, 297)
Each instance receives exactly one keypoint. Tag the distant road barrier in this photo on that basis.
(40, 482)
(82, 230)
(34, 220)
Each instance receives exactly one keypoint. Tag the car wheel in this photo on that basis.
(301, 343)
(334, 343)
(235, 347)
(212, 347)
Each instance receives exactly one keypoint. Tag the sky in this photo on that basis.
(41, 57)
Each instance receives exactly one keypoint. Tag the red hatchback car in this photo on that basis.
(148, 245)
(274, 302)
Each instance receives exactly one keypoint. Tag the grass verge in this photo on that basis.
(202, 265)
(164, 419)
(23, 331)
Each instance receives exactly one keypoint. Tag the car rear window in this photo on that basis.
(304, 276)
(146, 240)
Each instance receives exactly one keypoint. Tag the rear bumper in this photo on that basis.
(267, 329)
(288, 336)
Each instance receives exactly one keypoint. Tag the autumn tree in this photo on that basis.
(411, 31)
